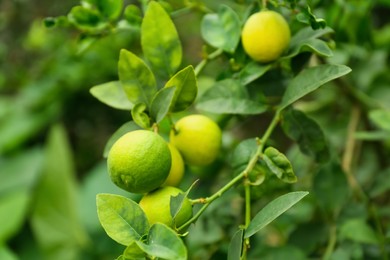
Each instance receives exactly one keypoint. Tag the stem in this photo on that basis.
(204, 62)
(378, 226)
(246, 245)
(332, 242)
(264, 4)
(269, 131)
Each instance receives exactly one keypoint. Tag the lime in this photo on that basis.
(177, 168)
(139, 161)
(156, 206)
(198, 139)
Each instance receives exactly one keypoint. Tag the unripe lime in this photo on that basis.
(198, 139)
(177, 168)
(139, 161)
(156, 206)
(265, 36)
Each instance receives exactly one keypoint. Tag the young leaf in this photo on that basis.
(273, 210)
(279, 165)
(136, 78)
(235, 246)
(139, 116)
(229, 97)
(307, 133)
(164, 243)
(127, 127)
(112, 94)
(309, 80)
(252, 71)
(186, 89)
(110, 8)
(160, 41)
(85, 18)
(176, 202)
(161, 103)
(222, 30)
(122, 219)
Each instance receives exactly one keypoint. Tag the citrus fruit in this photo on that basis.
(139, 161)
(156, 206)
(198, 139)
(177, 168)
(265, 36)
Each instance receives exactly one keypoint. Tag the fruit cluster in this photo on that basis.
(142, 161)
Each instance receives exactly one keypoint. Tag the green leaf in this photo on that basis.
(307, 17)
(139, 116)
(309, 80)
(307, 133)
(252, 71)
(7, 254)
(186, 89)
(358, 230)
(13, 210)
(229, 97)
(85, 18)
(112, 94)
(133, 252)
(273, 210)
(222, 30)
(235, 246)
(161, 103)
(136, 78)
(176, 202)
(243, 153)
(122, 219)
(55, 220)
(164, 243)
(110, 8)
(160, 41)
(125, 128)
(279, 165)
(381, 118)
(133, 15)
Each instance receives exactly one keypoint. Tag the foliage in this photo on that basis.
(303, 172)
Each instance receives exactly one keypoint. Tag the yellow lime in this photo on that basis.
(265, 36)
(198, 139)
(156, 206)
(177, 168)
(139, 161)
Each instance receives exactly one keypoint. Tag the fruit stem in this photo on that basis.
(264, 5)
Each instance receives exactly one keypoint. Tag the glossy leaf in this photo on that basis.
(164, 243)
(139, 116)
(160, 41)
(186, 89)
(235, 246)
(309, 80)
(229, 97)
(55, 220)
(252, 71)
(279, 165)
(307, 133)
(112, 94)
(161, 103)
(125, 128)
(122, 219)
(273, 210)
(222, 30)
(136, 78)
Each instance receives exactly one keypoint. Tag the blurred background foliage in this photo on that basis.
(53, 133)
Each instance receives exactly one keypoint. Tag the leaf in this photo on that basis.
(252, 71)
(164, 243)
(139, 116)
(160, 41)
(273, 210)
(85, 18)
(125, 128)
(381, 118)
(122, 219)
(112, 94)
(243, 153)
(110, 8)
(133, 252)
(176, 202)
(136, 78)
(358, 230)
(222, 30)
(309, 80)
(161, 103)
(307, 17)
(7, 254)
(55, 220)
(186, 89)
(279, 165)
(235, 246)
(307, 133)
(229, 97)
(133, 15)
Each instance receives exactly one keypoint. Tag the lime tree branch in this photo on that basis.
(244, 174)
(204, 62)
